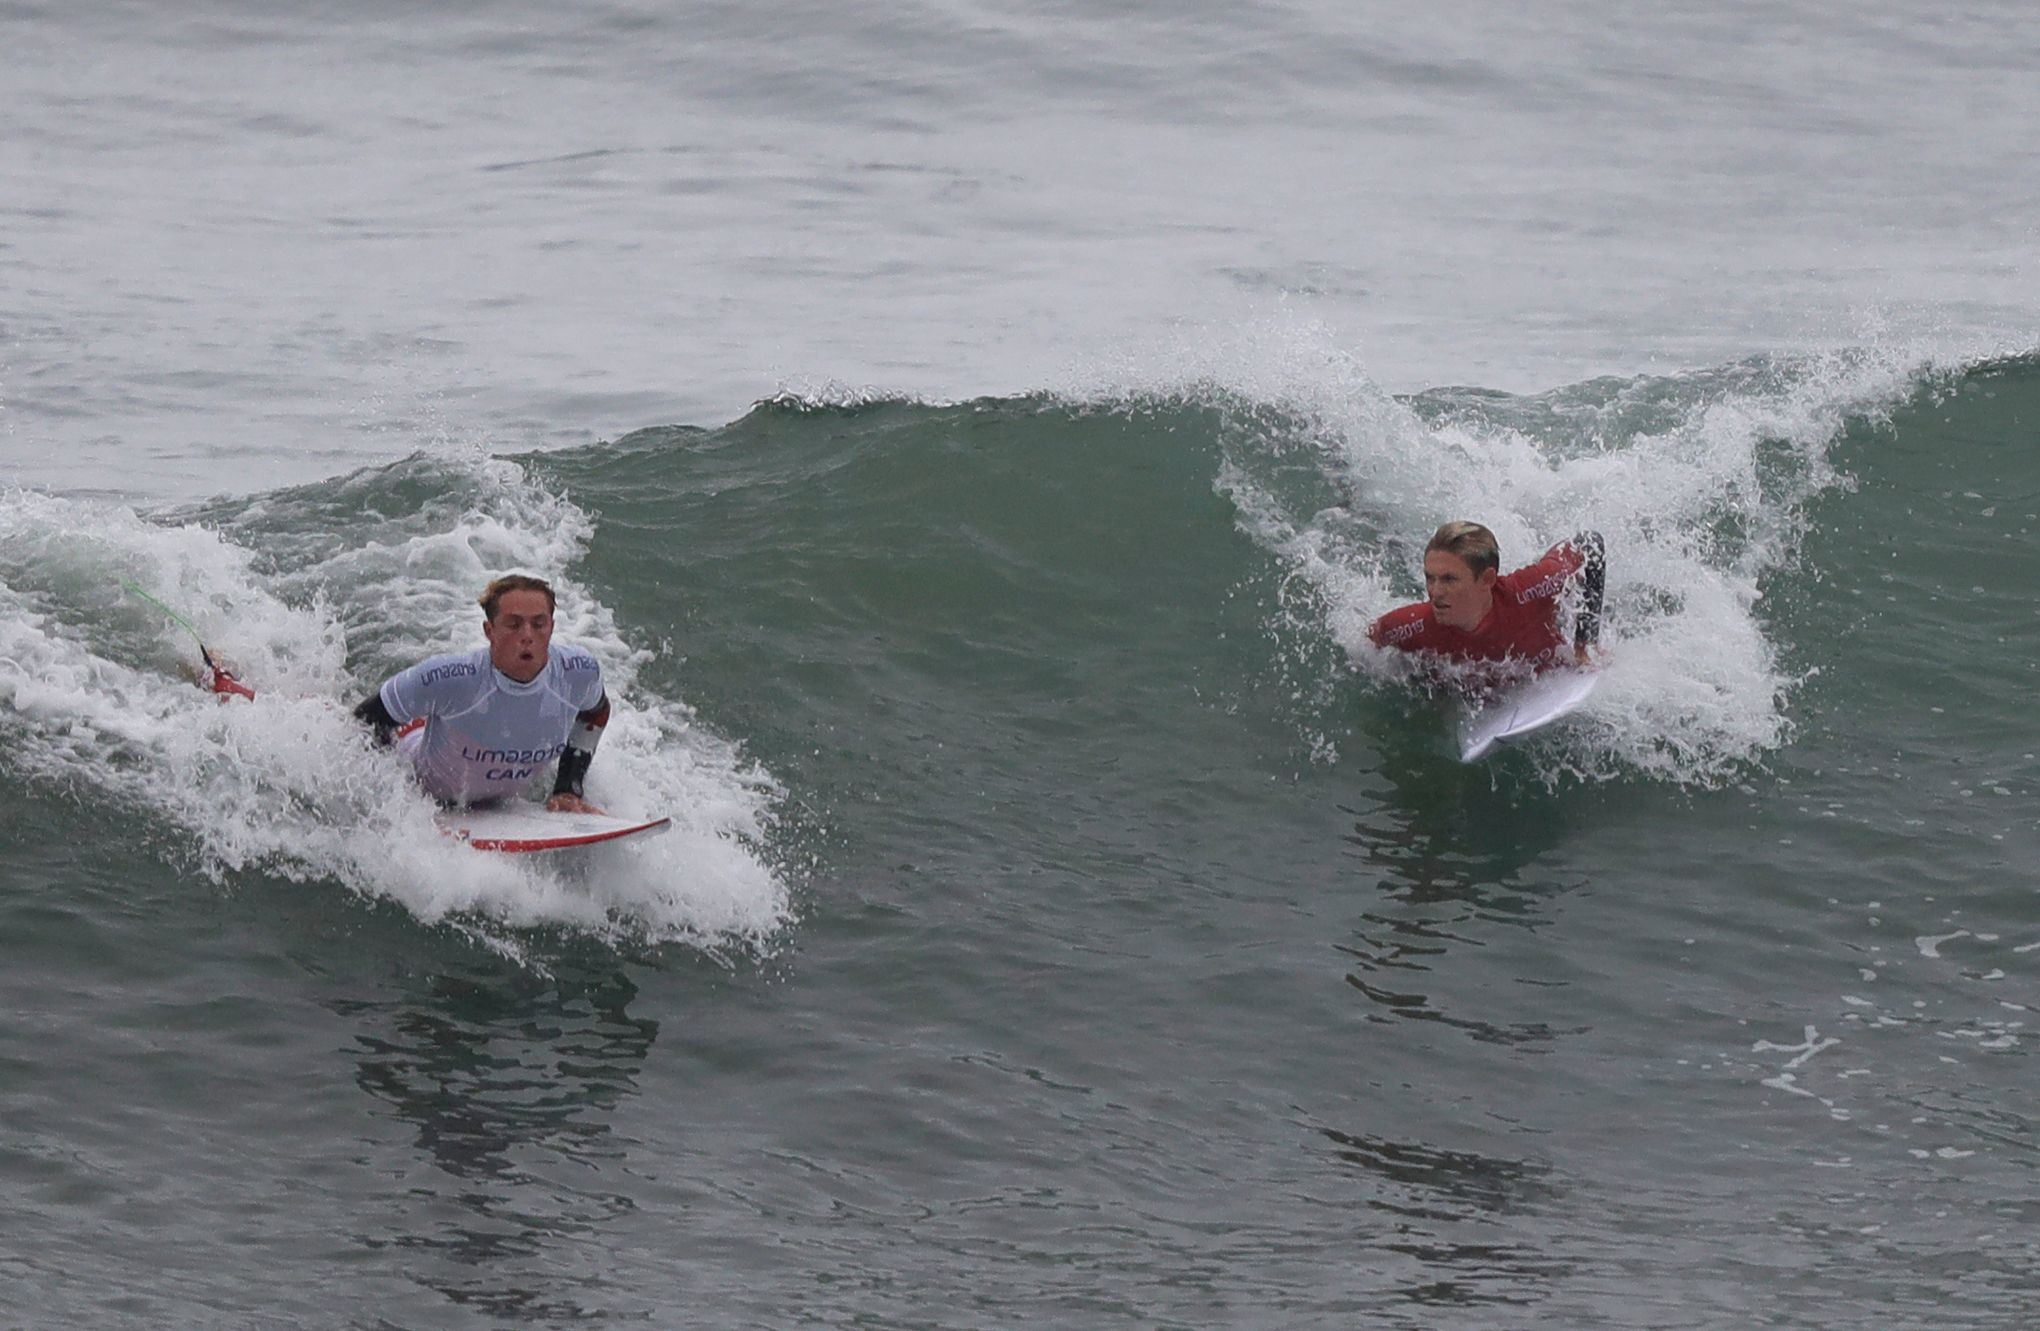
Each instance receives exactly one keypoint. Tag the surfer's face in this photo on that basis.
(520, 634)
(1460, 596)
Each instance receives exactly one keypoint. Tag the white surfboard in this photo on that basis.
(522, 829)
(1523, 709)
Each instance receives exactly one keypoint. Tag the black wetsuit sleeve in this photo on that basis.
(1593, 585)
(576, 757)
(377, 718)
(573, 771)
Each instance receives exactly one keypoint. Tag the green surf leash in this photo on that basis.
(188, 626)
(223, 680)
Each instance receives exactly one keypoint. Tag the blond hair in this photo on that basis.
(1469, 541)
(493, 594)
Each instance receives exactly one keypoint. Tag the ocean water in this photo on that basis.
(975, 438)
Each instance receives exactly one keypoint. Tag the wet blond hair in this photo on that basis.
(493, 594)
(1471, 542)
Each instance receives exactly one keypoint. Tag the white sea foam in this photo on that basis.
(90, 683)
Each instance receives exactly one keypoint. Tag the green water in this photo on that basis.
(1066, 926)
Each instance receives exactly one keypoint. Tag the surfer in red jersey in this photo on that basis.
(1476, 614)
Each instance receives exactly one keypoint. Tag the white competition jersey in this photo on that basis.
(485, 735)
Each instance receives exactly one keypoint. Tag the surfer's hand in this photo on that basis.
(570, 804)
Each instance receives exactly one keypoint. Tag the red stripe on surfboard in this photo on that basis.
(526, 845)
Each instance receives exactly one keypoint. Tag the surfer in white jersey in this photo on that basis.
(479, 725)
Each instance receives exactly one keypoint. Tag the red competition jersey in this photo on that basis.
(1523, 623)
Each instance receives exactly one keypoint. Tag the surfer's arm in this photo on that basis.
(1403, 628)
(411, 695)
(1593, 576)
(374, 714)
(576, 757)
(1579, 562)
